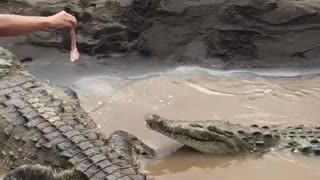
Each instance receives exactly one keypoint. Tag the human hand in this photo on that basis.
(62, 20)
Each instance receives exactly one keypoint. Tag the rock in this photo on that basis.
(248, 32)
(104, 26)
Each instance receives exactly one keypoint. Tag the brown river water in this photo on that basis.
(245, 101)
(118, 93)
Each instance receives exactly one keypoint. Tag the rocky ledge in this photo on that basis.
(251, 32)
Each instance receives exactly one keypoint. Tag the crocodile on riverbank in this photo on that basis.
(222, 137)
(41, 124)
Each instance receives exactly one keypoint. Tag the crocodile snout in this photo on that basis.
(152, 120)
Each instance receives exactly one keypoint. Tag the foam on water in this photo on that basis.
(263, 72)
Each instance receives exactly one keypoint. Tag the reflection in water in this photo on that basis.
(193, 159)
(190, 165)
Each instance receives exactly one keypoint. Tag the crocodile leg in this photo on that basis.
(129, 147)
(124, 144)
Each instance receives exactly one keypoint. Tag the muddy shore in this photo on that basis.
(219, 34)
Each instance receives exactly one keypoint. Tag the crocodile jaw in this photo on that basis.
(198, 138)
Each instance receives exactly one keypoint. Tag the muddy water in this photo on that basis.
(118, 93)
(245, 100)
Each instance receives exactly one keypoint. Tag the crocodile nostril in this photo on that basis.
(152, 117)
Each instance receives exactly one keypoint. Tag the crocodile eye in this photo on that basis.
(212, 128)
(220, 131)
(229, 134)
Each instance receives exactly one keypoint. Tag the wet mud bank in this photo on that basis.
(247, 32)
(219, 34)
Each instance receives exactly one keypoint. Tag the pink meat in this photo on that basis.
(74, 54)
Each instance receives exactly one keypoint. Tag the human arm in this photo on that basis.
(14, 25)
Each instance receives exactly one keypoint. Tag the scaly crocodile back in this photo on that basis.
(40, 124)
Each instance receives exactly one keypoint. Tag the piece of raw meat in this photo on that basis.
(74, 54)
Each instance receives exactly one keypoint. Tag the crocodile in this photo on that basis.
(46, 134)
(222, 137)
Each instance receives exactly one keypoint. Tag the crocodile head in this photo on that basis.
(208, 136)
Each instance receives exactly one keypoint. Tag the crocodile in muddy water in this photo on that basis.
(45, 134)
(219, 137)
